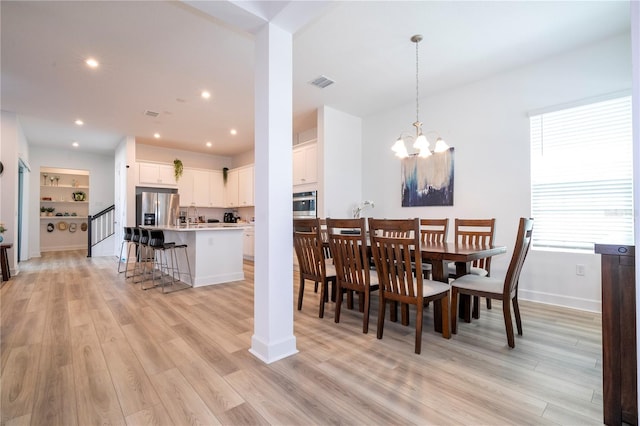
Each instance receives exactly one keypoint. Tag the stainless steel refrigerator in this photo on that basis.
(157, 208)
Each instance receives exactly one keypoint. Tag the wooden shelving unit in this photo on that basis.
(58, 194)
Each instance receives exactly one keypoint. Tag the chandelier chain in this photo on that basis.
(417, 85)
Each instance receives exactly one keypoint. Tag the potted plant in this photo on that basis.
(43, 211)
(2, 229)
(50, 211)
(177, 168)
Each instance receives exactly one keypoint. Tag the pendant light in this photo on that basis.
(420, 142)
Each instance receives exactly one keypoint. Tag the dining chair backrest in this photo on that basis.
(520, 251)
(348, 242)
(434, 231)
(326, 251)
(477, 232)
(308, 246)
(395, 248)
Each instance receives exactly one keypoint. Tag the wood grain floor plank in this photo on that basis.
(221, 361)
(151, 355)
(108, 352)
(19, 421)
(79, 312)
(155, 325)
(19, 380)
(55, 399)
(97, 399)
(242, 414)
(107, 328)
(182, 402)
(86, 350)
(132, 385)
(268, 400)
(152, 416)
(214, 390)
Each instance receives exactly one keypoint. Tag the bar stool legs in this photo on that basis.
(128, 233)
(166, 263)
(176, 274)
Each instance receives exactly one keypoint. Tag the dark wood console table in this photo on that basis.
(619, 365)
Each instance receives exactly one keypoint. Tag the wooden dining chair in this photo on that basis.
(348, 243)
(432, 231)
(307, 240)
(475, 232)
(492, 288)
(393, 257)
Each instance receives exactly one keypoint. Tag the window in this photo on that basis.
(582, 176)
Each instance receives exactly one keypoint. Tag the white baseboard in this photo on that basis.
(560, 300)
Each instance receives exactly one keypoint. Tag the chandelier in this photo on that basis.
(420, 141)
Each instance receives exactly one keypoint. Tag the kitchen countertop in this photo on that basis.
(205, 227)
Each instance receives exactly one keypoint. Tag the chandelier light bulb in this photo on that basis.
(400, 149)
(441, 145)
(421, 143)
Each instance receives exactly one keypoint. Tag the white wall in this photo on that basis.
(487, 123)
(101, 193)
(189, 159)
(12, 146)
(340, 179)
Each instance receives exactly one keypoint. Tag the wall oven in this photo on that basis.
(304, 204)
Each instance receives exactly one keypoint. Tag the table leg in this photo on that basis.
(4, 260)
(464, 305)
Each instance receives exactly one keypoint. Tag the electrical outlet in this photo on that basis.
(580, 270)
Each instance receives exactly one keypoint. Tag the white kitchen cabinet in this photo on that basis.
(245, 186)
(156, 174)
(201, 188)
(239, 187)
(231, 189)
(305, 164)
(248, 244)
(216, 189)
(185, 188)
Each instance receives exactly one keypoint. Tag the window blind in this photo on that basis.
(582, 175)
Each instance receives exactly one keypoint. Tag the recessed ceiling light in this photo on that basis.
(233, 132)
(79, 122)
(156, 135)
(205, 94)
(209, 144)
(75, 144)
(92, 63)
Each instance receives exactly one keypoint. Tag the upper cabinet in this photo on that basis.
(201, 188)
(245, 186)
(156, 174)
(239, 187)
(216, 190)
(305, 164)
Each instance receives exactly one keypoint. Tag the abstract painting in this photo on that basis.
(428, 181)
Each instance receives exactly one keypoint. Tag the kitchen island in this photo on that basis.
(215, 252)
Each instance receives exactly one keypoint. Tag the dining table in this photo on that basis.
(439, 255)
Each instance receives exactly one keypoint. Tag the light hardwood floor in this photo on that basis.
(80, 345)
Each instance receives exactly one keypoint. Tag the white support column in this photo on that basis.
(273, 337)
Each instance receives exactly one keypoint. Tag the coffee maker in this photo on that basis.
(229, 218)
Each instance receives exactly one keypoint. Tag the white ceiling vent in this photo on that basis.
(322, 82)
(150, 113)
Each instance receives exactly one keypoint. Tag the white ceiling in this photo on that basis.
(159, 56)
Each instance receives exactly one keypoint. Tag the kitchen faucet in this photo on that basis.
(195, 209)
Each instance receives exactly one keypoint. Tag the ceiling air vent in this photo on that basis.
(150, 113)
(322, 82)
